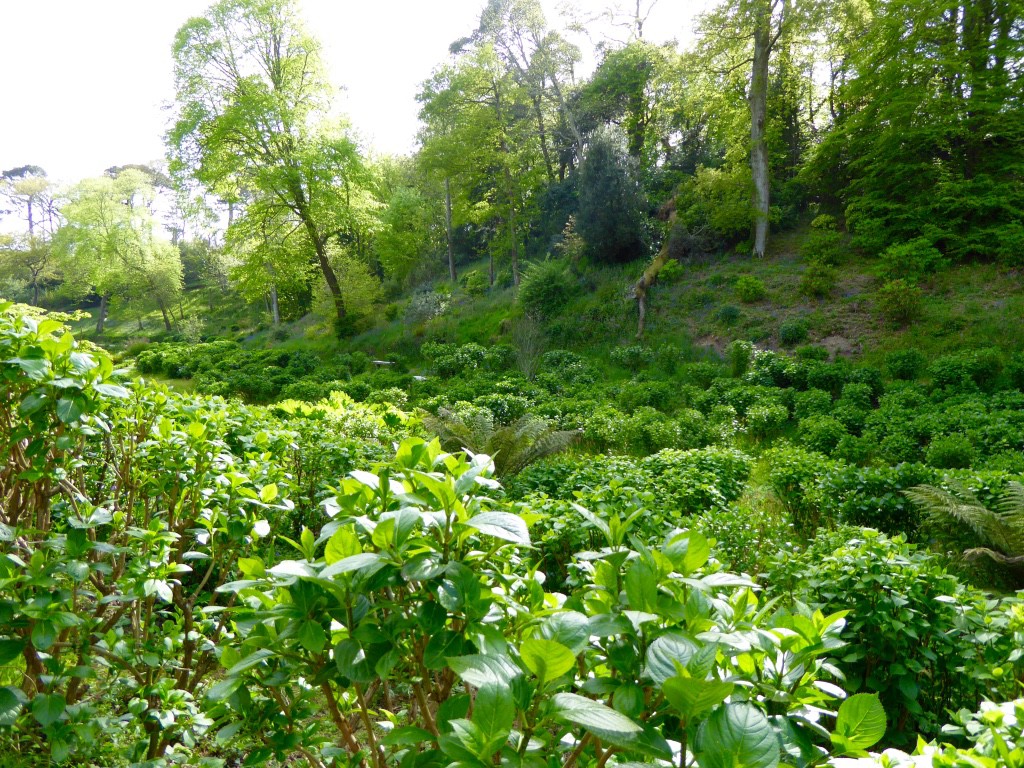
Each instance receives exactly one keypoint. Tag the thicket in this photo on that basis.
(189, 580)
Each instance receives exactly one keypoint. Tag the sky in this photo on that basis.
(84, 84)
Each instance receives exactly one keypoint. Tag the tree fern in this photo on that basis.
(512, 447)
(1000, 531)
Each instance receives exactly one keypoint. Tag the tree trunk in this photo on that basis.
(543, 138)
(448, 227)
(332, 282)
(651, 273)
(275, 309)
(163, 311)
(515, 244)
(104, 304)
(758, 114)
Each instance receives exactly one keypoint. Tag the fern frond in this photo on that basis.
(961, 506)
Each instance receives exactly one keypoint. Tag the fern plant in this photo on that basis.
(512, 446)
(1000, 531)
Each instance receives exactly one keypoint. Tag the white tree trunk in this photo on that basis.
(758, 99)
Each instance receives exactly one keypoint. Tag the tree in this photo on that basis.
(753, 52)
(611, 214)
(929, 134)
(253, 116)
(109, 245)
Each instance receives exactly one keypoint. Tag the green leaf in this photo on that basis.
(268, 493)
(494, 711)
(479, 670)
(688, 551)
(112, 390)
(570, 628)
(368, 562)
(692, 696)
(47, 708)
(737, 735)
(861, 721)
(10, 705)
(43, 634)
(343, 543)
(594, 716)
(406, 736)
(312, 636)
(10, 650)
(547, 659)
(501, 525)
(665, 653)
(35, 368)
(68, 410)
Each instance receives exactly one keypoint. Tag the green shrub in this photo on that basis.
(671, 272)
(633, 357)
(910, 261)
(966, 370)
(739, 355)
(905, 365)
(792, 332)
(546, 287)
(916, 636)
(766, 420)
(818, 280)
(822, 433)
(475, 282)
(823, 245)
(750, 289)
(951, 452)
(873, 496)
(728, 314)
(812, 402)
(811, 352)
(794, 475)
(899, 301)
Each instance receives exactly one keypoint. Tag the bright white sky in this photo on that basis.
(82, 82)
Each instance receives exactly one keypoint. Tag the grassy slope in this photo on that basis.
(967, 306)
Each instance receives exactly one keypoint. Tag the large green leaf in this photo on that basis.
(479, 670)
(501, 525)
(692, 696)
(665, 653)
(737, 736)
(688, 551)
(10, 705)
(547, 659)
(365, 562)
(860, 723)
(47, 708)
(604, 721)
(494, 711)
(10, 649)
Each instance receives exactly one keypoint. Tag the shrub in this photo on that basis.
(812, 402)
(916, 636)
(750, 289)
(811, 352)
(671, 272)
(766, 420)
(873, 496)
(794, 476)
(637, 394)
(823, 244)
(792, 332)
(728, 314)
(965, 370)
(546, 287)
(819, 281)
(899, 302)
(951, 452)
(739, 355)
(905, 365)
(633, 357)
(475, 282)
(822, 433)
(911, 260)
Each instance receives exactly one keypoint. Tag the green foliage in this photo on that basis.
(714, 206)
(899, 302)
(823, 246)
(951, 452)
(911, 261)
(611, 202)
(818, 280)
(916, 636)
(750, 289)
(633, 357)
(546, 287)
(905, 365)
(792, 332)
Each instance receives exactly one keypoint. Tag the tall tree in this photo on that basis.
(110, 245)
(253, 115)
